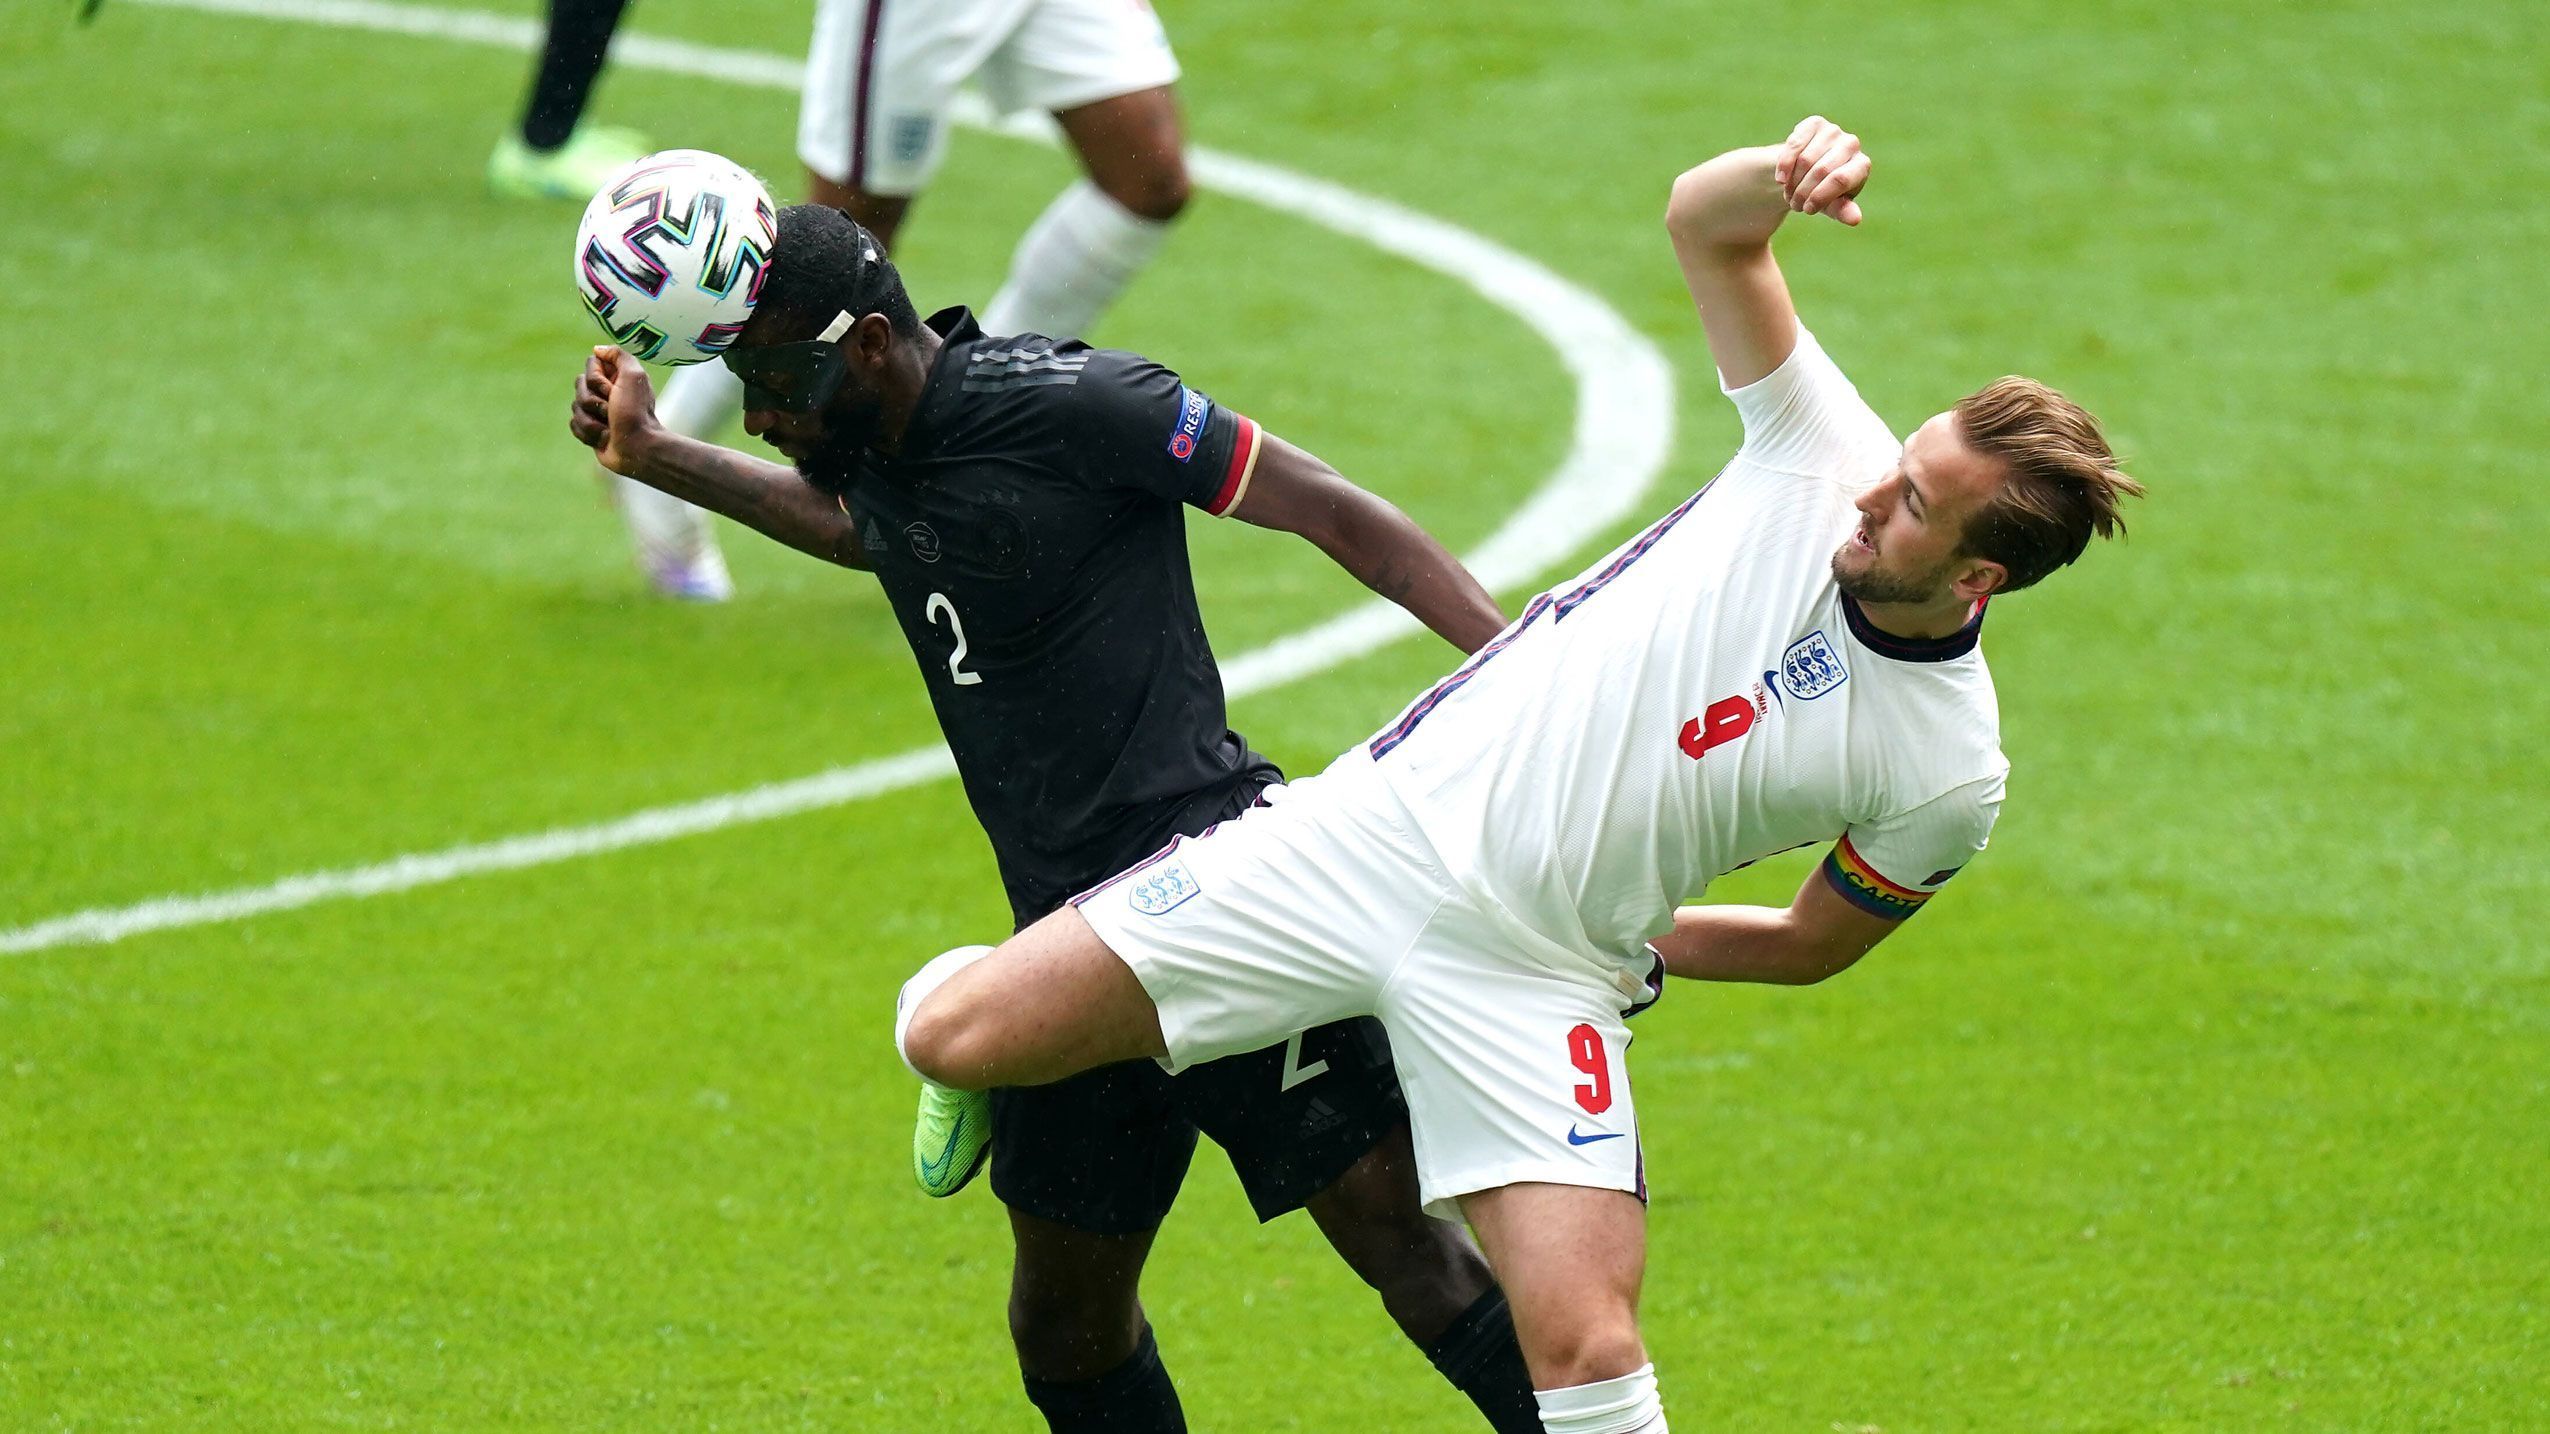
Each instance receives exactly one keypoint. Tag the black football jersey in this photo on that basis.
(1030, 536)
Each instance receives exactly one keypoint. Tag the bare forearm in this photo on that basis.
(769, 498)
(1721, 219)
(1731, 202)
(1390, 554)
(1746, 943)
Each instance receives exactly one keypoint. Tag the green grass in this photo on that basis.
(2211, 1099)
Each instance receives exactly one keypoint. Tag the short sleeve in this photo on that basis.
(1138, 425)
(1891, 867)
(1805, 417)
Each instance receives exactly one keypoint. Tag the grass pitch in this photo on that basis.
(2212, 1098)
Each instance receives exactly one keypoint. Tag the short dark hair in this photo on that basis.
(824, 263)
(2062, 484)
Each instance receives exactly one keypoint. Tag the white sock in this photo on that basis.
(1071, 264)
(929, 978)
(700, 399)
(1627, 1405)
(673, 538)
(675, 542)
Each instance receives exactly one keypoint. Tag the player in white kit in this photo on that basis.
(1789, 658)
(882, 78)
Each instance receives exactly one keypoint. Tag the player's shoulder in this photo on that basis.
(1063, 380)
(1807, 418)
(1029, 370)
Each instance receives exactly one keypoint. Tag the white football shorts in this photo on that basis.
(1326, 904)
(882, 74)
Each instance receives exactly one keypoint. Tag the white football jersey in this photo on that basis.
(1705, 697)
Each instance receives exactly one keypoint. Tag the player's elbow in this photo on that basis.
(1817, 964)
(1692, 207)
(1684, 203)
(1703, 216)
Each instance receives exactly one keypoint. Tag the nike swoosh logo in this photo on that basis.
(1576, 1137)
(947, 1156)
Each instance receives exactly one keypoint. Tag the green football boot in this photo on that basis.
(951, 1138)
(573, 170)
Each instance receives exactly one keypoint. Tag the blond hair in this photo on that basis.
(2062, 486)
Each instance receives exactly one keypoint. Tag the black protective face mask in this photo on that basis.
(794, 378)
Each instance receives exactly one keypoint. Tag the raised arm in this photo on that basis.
(614, 415)
(1722, 216)
(1368, 536)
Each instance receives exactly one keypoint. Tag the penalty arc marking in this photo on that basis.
(1623, 433)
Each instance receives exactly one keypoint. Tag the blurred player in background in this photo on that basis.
(553, 154)
(1790, 658)
(881, 79)
(1022, 502)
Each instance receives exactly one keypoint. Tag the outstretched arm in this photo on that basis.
(1819, 935)
(1722, 216)
(614, 415)
(1368, 536)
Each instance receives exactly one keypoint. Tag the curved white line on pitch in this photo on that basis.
(1624, 428)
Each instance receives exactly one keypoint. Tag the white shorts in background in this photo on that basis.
(881, 74)
(1325, 905)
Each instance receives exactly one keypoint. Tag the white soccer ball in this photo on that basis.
(672, 252)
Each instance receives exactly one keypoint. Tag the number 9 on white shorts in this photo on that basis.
(1325, 905)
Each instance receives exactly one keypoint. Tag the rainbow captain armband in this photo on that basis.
(1862, 886)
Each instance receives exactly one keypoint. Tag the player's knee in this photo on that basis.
(947, 1043)
(1063, 1332)
(1403, 1250)
(1586, 1351)
(880, 214)
(1156, 192)
(1425, 1272)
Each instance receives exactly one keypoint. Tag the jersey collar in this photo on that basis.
(956, 329)
(1914, 649)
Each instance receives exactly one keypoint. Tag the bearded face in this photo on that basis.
(1908, 547)
(827, 446)
(1860, 571)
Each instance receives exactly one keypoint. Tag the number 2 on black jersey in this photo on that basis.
(938, 604)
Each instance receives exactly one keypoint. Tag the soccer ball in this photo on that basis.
(672, 252)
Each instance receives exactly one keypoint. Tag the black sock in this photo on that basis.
(1135, 1397)
(579, 33)
(1481, 1358)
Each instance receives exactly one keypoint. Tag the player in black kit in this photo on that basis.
(1021, 501)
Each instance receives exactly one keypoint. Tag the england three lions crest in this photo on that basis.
(1812, 668)
(1166, 885)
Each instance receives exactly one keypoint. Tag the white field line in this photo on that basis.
(1624, 430)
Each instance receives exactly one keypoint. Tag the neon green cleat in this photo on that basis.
(573, 170)
(951, 1138)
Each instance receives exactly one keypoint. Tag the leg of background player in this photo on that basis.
(675, 543)
(1571, 1259)
(880, 214)
(1098, 234)
(1431, 1279)
(549, 157)
(546, 156)
(570, 59)
(1084, 1349)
